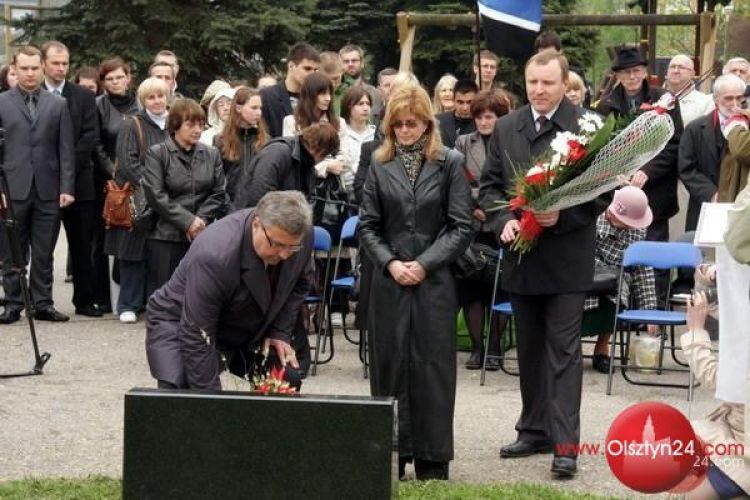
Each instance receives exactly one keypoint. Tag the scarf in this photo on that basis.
(412, 157)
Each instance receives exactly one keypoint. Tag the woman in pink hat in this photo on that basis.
(623, 223)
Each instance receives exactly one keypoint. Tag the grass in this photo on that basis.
(105, 488)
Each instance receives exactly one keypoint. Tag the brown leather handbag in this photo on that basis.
(119, 205)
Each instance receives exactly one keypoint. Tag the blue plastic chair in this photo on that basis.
(321, 243)
(659, 255)
(499, 308)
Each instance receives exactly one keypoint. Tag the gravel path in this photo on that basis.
(68, 422)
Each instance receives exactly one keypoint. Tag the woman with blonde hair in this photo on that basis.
(576, 89)
(442, 97)
(414, 222)
(243, 136)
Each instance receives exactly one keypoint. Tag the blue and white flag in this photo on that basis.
(510, 26)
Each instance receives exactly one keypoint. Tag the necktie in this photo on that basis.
(31, 103)
(540, 122)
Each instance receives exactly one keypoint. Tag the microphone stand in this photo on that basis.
(17, 263)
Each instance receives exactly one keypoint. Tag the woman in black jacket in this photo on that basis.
(243, 135)
(184, 184)
(415, 220)
(138, 133)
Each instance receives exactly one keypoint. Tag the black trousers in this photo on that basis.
(100, 259)
(550, 365)
(38, 227)
(163, 258)
(79, 220)
(659, 231)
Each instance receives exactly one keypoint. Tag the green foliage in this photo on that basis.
(219, 38)
(90, 488)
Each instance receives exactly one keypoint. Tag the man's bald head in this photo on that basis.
(680, 73)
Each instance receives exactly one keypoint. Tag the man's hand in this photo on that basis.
(195, 228)
(479, 215)
(547, 219)
(639, 179)
(66, 200)
(510, 231)
(335, 167)
(284, 351)
(707, 272)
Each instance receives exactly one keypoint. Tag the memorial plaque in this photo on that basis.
(232, 445)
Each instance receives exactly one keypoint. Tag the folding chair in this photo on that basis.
(659, 255)
(501, 308)
(321, 243)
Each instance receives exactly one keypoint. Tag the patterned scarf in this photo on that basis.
(412, 157)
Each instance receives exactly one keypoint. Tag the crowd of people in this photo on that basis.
(424, 173)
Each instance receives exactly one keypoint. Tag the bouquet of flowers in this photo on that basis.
(578, 168)
(271, 382)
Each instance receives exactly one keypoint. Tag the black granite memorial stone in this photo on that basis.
(232, 445)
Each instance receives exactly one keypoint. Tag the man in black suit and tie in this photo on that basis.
(80, 218)
(280, 100)
(547, 285)
(40, 166)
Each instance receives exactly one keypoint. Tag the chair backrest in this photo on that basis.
(349, 229)
(662, 255)
(321, 239)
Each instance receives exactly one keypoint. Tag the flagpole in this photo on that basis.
(477, 28)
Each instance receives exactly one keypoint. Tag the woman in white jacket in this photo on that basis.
(355, 109)
(218, 112)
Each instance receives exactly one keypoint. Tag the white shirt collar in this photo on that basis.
(51, 88)
(161, 121)
(535, 114)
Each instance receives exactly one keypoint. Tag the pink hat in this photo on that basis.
(630, 206)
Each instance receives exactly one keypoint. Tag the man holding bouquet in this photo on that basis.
(547, 284)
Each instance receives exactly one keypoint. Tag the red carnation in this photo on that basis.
(519, 201)
(530, 228)
(576, 151)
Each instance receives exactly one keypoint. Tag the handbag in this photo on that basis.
(479, 262)
(606, 279)
(126, 207)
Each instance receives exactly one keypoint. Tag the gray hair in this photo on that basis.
(724, 82)
(286, 210)
(734, 60)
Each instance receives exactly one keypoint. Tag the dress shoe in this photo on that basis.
(104, 309)
(428, 470)
(600, 362)
(474, 362)
(89, 310)
(10, 316)
(522, 448)
(564, 467)
(493, 364)
(50, 314)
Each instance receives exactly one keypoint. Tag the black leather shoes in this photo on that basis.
(89, 310)
(564, 467)
(50, 314)
(104, 309)
(474, 362)
(525, 448)
(493, 364)
(10, 316)
(600, 363)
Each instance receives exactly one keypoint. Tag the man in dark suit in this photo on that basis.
(40, 166)
(547, 285)
(459, 120)
(80, 218)
(240, 286)
(280, 100)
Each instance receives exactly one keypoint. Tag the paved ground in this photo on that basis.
(68, 422)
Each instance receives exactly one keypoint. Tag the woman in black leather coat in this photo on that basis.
(415, 220)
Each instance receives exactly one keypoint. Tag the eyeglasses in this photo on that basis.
(280, 246)
(115, 78)
(410, 124)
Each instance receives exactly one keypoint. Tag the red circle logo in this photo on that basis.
(652, 448)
